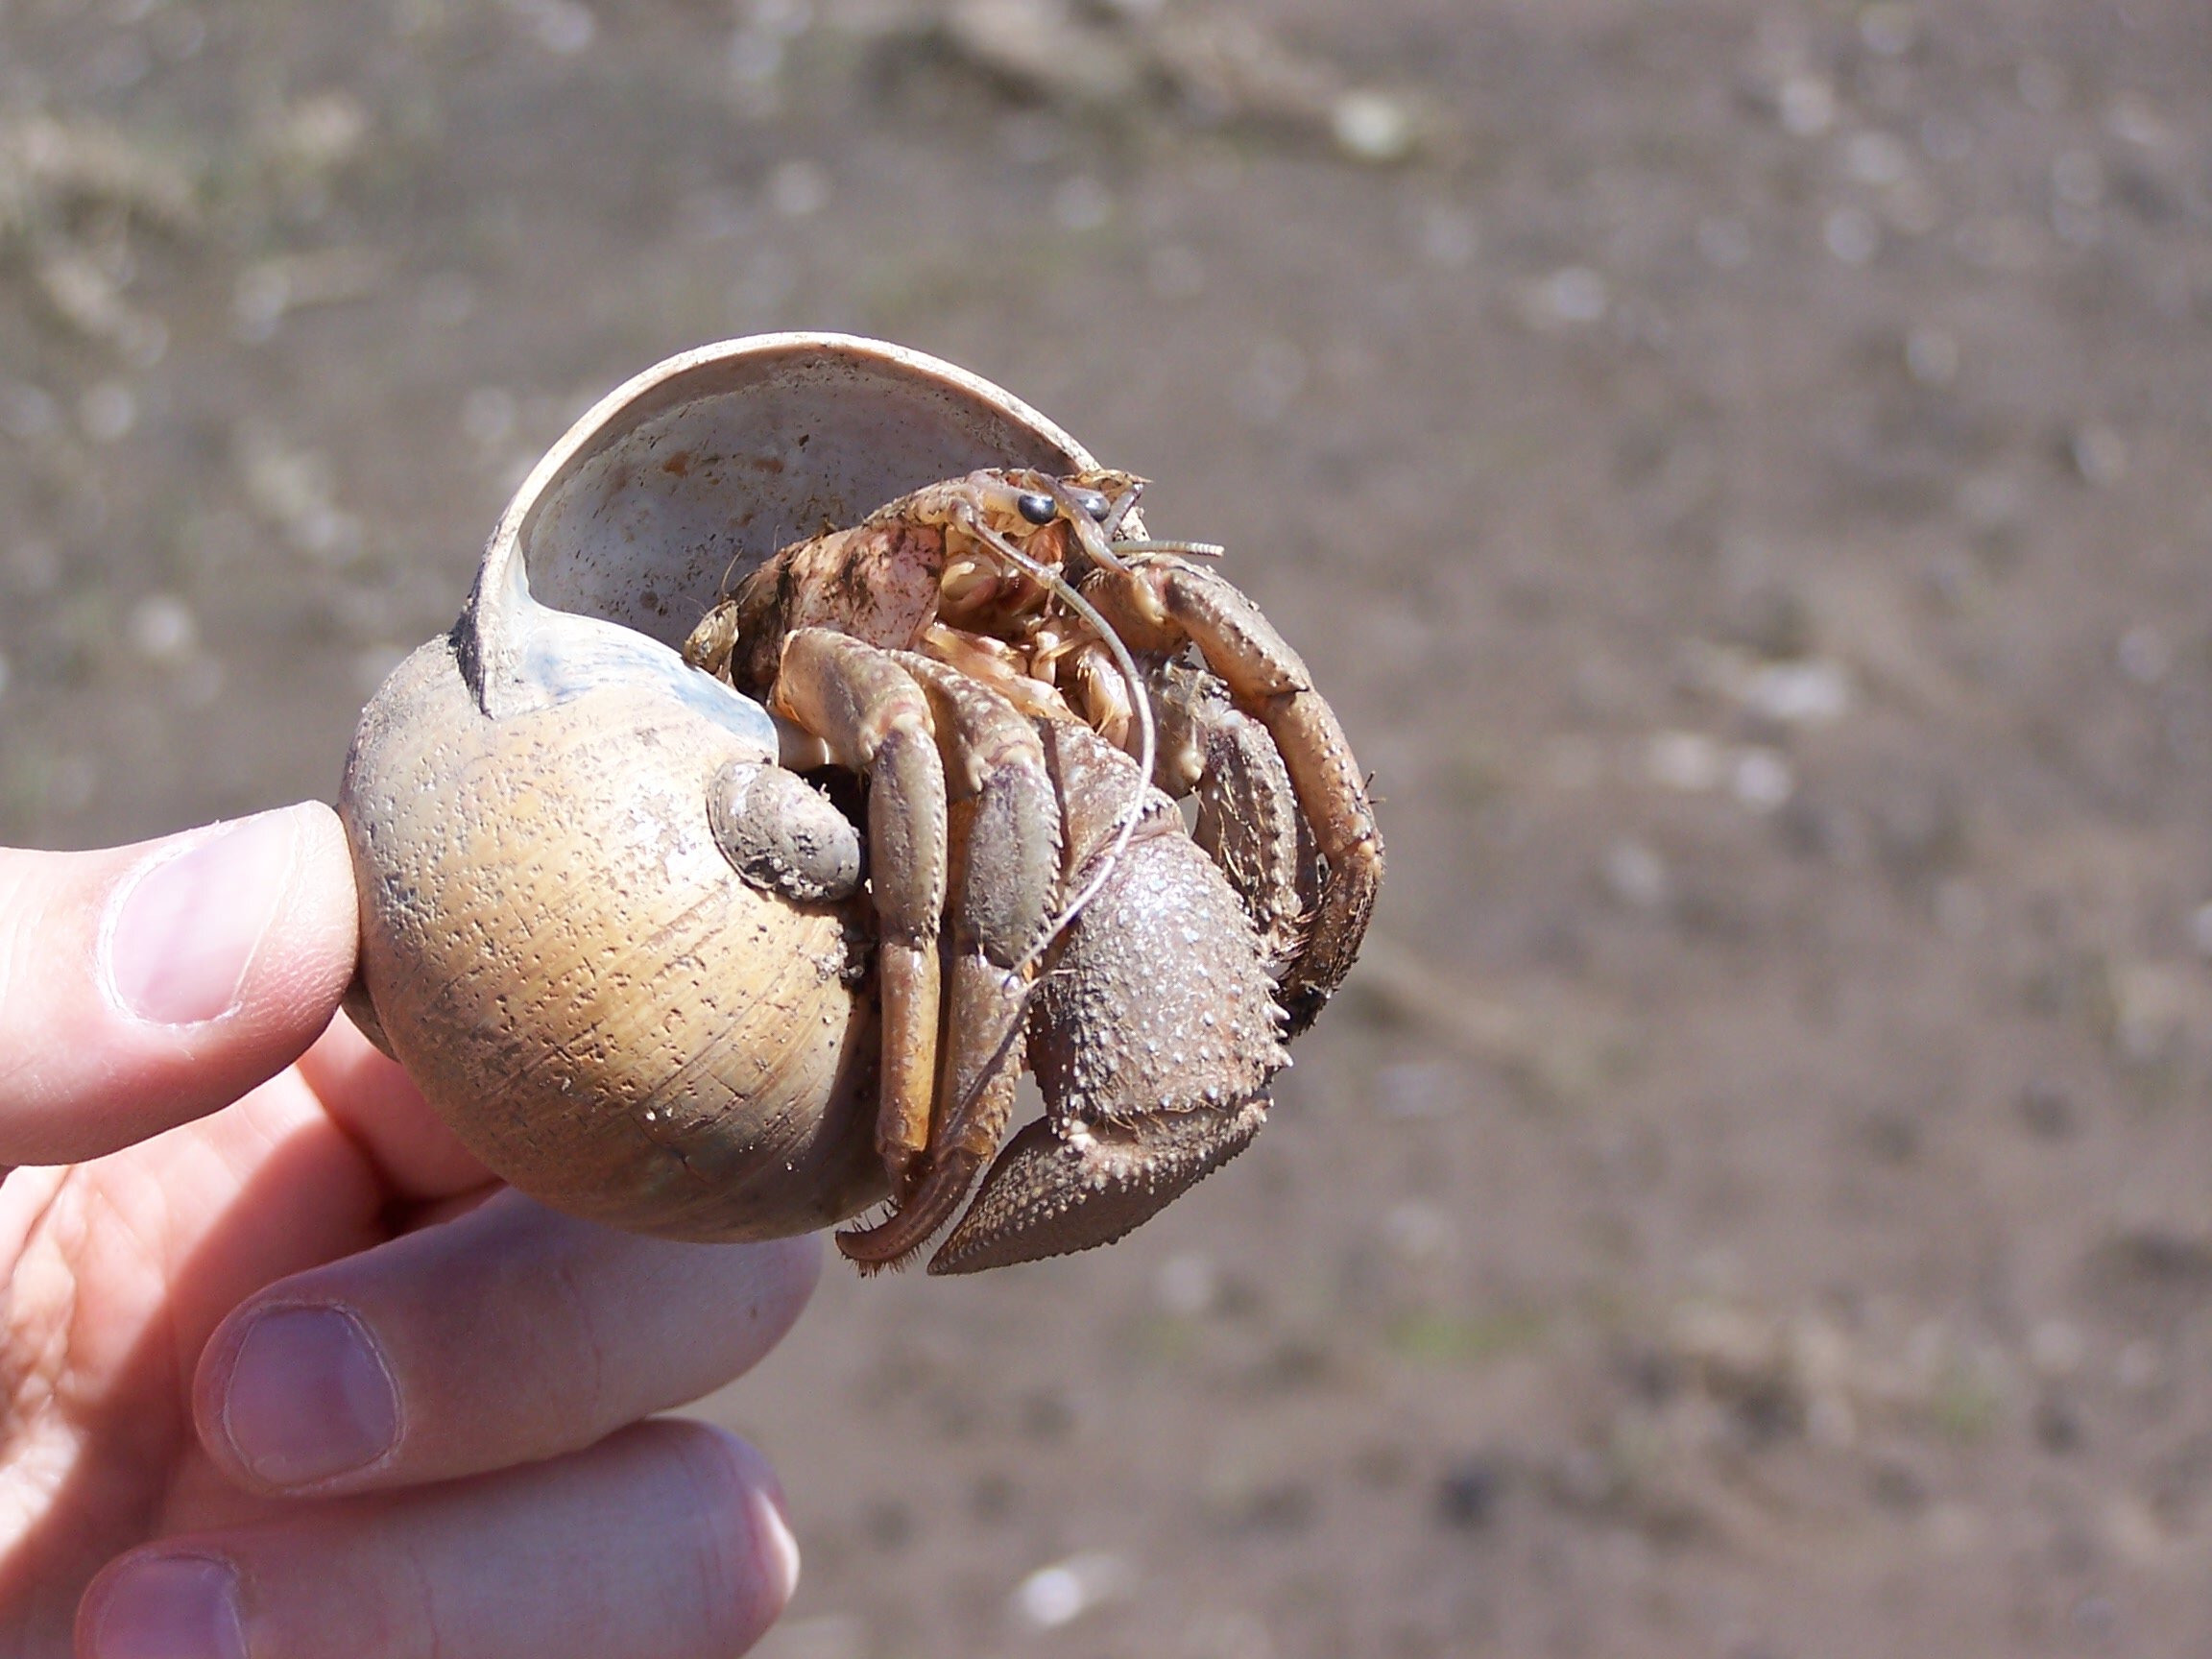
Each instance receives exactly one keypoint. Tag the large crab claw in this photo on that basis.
(1153, 1035)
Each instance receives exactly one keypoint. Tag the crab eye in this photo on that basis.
(1092, 503)
(1037, 509)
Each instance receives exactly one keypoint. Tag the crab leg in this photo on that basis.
(1006, 823)
(1249, 818)
(874, 719)
(1157, 604)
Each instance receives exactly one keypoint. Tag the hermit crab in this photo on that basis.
(804, 765)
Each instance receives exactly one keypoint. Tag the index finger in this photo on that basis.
(368, 1095)
(142, 987)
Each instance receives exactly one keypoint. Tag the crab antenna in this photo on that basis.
(1191, 550)
(1140, 705)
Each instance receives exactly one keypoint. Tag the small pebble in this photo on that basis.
(1636, 875)
(447, 299)
(1448, 237)
(26, 411)
(2078, 178)
(2136, 120)
(1372, 126)
(1469, 1492)
(564, 28)
(2139, 1368)
(2041, 85)
(1688, 762)
(2143, 656)
(1417, 1232)
(825, 1636)
(106, 412)
(1175, 271)
(2096, 1616)
(1724, 243)
(799, 189)
(1062, 1593)
(1807, 104)
(1272, 379)
(1081, 204)
(1932, 357)
(2057, 1426)
(161, 629)
(2047, 1111)
(1889, 28)
(1575, 294)
(1416, 1089)
(2057, 1348)
(1762, 780)
(488, 415)
(2100, 455)
(1187, 1284)
(1876, 159)
(1851, 236)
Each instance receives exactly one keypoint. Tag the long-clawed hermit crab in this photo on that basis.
(619, 922)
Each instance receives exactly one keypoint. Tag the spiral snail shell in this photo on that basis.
(553, 942)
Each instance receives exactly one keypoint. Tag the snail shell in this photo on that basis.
(553, 942)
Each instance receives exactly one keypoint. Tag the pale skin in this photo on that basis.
(283, 1371)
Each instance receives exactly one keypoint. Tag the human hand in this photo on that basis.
(284, 1373)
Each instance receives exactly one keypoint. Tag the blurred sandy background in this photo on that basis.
(1740, 471)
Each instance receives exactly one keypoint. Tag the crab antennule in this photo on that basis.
(1124, 504)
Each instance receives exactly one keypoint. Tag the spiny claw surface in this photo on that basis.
(1047, 1196)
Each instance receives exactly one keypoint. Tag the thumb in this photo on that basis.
(145, 986)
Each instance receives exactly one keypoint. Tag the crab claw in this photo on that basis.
(1053, 1190)
(1153, 1036)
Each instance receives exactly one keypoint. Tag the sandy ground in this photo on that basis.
(1739, 472)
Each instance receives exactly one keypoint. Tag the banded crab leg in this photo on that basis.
(1158, 603)
(1248, 819)
(874, 718)
(1006, 826)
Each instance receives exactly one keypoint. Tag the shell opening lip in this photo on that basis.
(657, 388)
(678, 480)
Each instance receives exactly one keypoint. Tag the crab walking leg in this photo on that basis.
(1249, 818)
(874, 719)
(1007, 824)
(1153, 1034)
(1157, 604)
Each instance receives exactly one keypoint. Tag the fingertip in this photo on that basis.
(779, 1547)
(791, 1268)
(306, 958)
(509, 1335)
(221, 922)
(665, 1538)
(775, 1547)
(150, 985)
(742, 1503)
(160, 1603)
